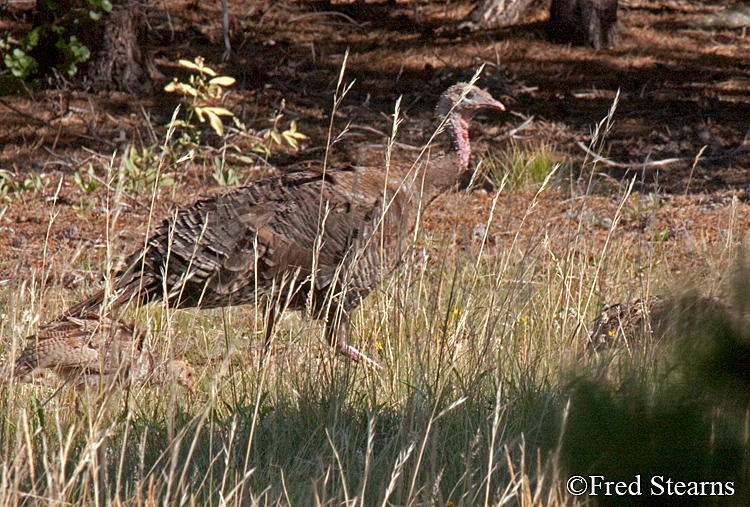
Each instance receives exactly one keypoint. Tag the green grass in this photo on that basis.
(520, 165)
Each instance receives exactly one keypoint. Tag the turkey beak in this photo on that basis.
(496, 104)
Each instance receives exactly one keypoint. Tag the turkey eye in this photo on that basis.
(470, 95)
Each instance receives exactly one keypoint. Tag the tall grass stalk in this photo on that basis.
(478, 402)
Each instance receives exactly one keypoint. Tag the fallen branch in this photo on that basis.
(606, 161)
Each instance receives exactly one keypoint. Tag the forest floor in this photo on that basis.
(484, 322)
(684, 95)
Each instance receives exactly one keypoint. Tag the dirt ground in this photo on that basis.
(684, 90)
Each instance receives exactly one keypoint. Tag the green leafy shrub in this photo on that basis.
(199, 92)
(142, 171)
(52, 44)
(20, 188)
(225, 175)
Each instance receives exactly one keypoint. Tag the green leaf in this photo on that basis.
(243, 158)
(20, 64)
(263, 149)
(32, 40)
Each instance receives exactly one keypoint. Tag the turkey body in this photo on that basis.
(653, 318)
(89, 349)
(323, 234)
(317, 240)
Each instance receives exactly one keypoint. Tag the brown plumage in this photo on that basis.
(89, 349)
(317, 240)
(649, 319)
(628, 321)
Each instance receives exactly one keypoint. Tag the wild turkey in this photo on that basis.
(265, 240)
(651, 318)
(631, 320)
(89, 349)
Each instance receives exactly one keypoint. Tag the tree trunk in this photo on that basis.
(115, 59)
(120, 62)
(499, 13)
(590, 23)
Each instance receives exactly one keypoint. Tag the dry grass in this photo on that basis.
(486, 396)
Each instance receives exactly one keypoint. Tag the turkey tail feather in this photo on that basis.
(137, 288)
(91, 304)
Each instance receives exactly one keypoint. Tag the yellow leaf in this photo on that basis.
(292, 141)
(215, 121)
(297, 135)
(197, 66)
(199, 112)
(292, 131)
(239, 124)
(222, 81)
(187, 89)
(219, 110)
(189, 65)
(171, 87)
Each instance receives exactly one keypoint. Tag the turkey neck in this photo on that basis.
(435, 175)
